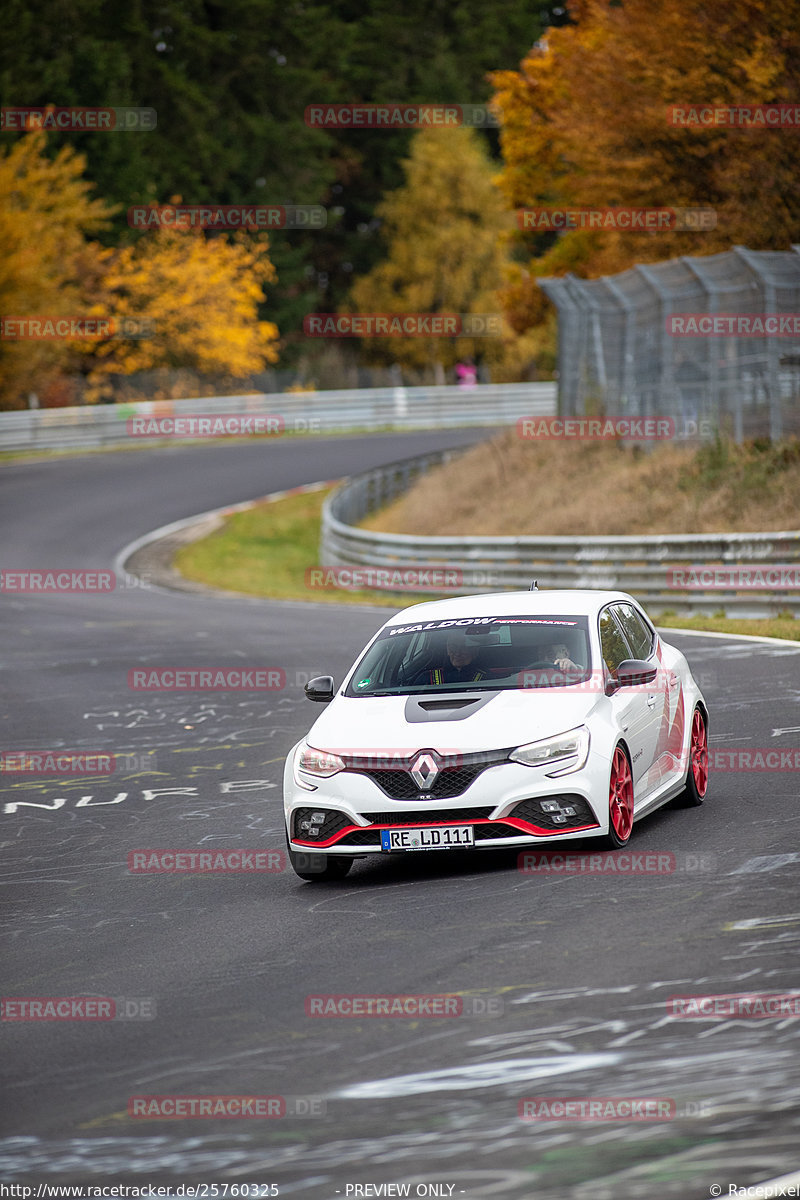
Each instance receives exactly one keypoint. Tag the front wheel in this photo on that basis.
(697, 776)
(319, 867)
(620, 800)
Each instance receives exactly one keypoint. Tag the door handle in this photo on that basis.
(651, 701)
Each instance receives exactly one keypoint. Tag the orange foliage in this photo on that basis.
(585, 125)
(197, 300)
(197, 296)
(45, 212)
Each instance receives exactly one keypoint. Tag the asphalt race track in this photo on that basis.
(566, 977)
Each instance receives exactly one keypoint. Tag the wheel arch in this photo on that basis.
(701, 704)
(621, 742)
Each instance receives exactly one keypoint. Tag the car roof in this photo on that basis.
(571, 602)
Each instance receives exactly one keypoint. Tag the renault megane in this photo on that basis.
(509, 719)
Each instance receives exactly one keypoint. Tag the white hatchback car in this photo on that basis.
(510, 719)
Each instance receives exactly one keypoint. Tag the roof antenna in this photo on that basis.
(534, 586)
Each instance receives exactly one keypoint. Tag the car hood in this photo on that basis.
(364, 725)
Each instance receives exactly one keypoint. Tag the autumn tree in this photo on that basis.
(230, 83)
(46, 259)
(585, 124)
(445, 250)
(197, 297)
(193, 298)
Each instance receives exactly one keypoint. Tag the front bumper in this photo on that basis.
(508, 805)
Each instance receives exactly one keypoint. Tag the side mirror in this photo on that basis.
(320, 689)
(635, 670)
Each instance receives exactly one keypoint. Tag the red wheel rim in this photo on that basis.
(621, 796)
(699, 752)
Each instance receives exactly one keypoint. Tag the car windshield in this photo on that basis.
(474, 653)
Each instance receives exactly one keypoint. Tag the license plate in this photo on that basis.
(434, 837)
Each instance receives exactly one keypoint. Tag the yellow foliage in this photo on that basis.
(197, 298)
(45, 212)
(446, 231)
(198, 295)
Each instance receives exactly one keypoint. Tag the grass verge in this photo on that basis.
(784, 625)
(267, 550)
(563, 488)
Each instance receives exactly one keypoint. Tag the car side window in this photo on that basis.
(637, 632)
(612, 643)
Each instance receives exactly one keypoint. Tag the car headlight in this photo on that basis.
(569, 750)
(321, 763)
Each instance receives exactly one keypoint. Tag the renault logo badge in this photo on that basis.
(424, 771)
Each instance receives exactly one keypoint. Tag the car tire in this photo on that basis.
(316, 868)
(696, 788)
(620, 800)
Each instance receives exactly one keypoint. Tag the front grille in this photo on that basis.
(484, 833)
(361, 837)
(532, 810)
(455, 774)
(415, 816)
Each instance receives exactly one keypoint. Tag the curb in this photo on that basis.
(149, 558)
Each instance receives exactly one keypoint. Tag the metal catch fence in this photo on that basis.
(624, 350)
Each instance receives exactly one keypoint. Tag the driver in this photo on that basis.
(460, 666)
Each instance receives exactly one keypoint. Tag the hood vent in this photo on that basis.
(446, 708)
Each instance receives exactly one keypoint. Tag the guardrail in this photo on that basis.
(105, 425)
(675, 572)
